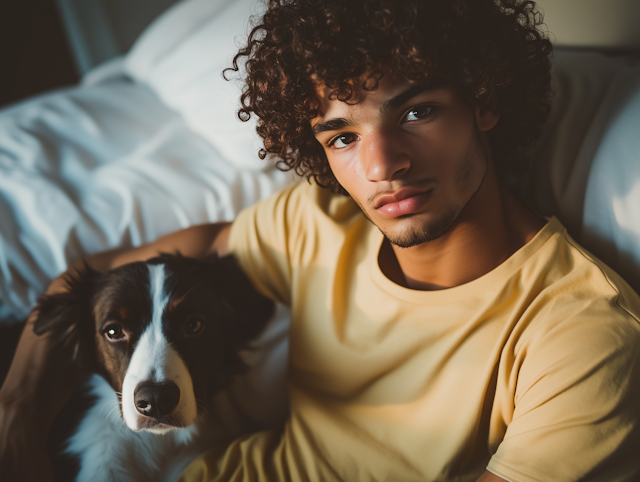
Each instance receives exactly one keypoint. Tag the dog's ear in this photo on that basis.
(68, 317)
(250, 309)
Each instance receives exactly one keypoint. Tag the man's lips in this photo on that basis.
(402, 202)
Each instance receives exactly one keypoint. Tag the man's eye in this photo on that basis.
(343, 140)
(417, 113)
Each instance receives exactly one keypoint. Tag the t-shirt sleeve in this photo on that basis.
(576, 403)
(260, 240)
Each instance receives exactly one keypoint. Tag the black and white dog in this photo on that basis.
(164, 336)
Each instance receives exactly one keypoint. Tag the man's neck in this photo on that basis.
(492, 227)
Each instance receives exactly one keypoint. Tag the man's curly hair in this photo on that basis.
(493, 51)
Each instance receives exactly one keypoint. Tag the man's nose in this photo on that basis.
(384, 157)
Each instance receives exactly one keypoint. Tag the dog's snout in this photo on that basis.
(156, 399)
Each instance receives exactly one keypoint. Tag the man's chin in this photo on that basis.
(414, 235)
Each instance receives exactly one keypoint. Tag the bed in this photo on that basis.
(149, 142)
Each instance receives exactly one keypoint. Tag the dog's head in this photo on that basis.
(166, 333)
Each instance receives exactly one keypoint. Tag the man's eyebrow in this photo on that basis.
(331, 125)
(430, 85)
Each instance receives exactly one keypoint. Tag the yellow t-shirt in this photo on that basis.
(531, 371)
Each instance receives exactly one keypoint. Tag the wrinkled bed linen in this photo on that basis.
(106, 165)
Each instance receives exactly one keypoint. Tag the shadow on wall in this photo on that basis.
(34, 53)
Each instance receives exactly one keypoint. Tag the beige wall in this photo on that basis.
(589, 23)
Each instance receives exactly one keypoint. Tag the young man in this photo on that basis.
(441, 329)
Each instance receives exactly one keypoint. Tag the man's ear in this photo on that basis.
(68, 317)
(486, 118)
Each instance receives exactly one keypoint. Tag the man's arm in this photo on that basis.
(41, 378)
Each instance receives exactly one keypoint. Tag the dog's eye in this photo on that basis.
(194, 326)
(114, 333)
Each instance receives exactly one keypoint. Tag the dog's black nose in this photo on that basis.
(156, 399)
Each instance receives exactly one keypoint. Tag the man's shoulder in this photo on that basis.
(308, 203)
(337, 207)
(577, 287)
(599, 280)
(296, 216)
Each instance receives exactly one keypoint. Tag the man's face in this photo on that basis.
(411, 156)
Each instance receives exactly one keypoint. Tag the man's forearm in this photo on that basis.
(40, 379)
(39, 382)
(195, 242)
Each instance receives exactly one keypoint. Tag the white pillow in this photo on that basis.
(612, 200)
(181, 57)
(587, 165)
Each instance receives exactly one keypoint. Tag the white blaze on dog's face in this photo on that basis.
(156, 363)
